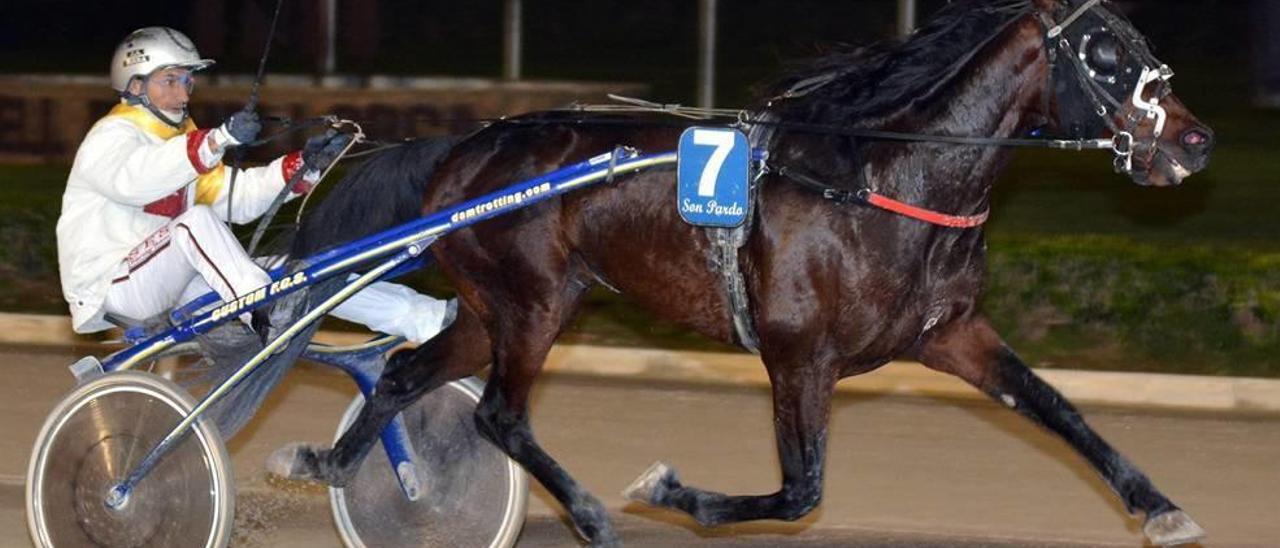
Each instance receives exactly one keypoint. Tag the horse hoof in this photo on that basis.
(604, 536)
(605, 543)
(1172, 528)
(644, 487)
(295, 461)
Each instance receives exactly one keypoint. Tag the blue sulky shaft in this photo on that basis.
(361, 252)
(403, 243)
(120, 493)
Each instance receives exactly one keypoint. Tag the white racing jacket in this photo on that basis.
(132, 174)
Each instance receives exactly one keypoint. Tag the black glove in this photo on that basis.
(242, 127)
(322, 150)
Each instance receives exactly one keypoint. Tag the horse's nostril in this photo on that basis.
(1196, 139)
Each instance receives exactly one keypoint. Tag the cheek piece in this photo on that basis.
(1152, 108)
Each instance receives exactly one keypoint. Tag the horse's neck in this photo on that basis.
(999, 96)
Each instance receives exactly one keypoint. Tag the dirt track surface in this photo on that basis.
(901, 471)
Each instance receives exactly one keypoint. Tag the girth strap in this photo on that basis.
(725, 243)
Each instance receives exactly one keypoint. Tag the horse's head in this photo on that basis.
(1105, 82)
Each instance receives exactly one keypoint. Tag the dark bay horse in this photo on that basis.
(835, 289)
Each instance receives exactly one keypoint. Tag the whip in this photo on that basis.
(252, 105)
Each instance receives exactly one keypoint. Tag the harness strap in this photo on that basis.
(931, 217)
(725, 243)
(866, 196)
(1080, 11)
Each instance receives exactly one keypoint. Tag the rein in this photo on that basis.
(742, 118)
(278, 201)
(862, 196)
(881, 135)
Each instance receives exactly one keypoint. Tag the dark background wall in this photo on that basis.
(1087, 270)
(652, 42)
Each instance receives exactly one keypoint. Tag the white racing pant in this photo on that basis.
(395, 309)
(195, 253)
(193, 246)
(384, 307)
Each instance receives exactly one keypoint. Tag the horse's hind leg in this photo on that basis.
(802, 390)
(970, 349)
(460, 350)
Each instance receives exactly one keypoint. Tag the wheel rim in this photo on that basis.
(97, 434)
(472, 494)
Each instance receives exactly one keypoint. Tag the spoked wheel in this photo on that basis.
(95, 436)
(471, 495)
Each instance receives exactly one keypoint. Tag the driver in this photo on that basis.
(142, 225)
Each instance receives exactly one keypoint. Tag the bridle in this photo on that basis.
(1110, 77)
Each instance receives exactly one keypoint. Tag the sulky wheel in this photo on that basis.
(471, 495)
(96, 435)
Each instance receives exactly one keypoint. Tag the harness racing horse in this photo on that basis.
(836, 287)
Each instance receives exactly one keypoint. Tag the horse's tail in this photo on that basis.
(383, 192)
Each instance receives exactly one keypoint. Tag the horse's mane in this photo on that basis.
(858, 85)
(874, 81)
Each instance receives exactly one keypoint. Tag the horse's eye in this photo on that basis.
(1103, 54)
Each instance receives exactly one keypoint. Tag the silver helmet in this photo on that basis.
(149, 49)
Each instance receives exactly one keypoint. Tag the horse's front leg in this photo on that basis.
(802, 393)
(970, 349)
(461, 349)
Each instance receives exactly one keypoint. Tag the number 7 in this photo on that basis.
(723, 141)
